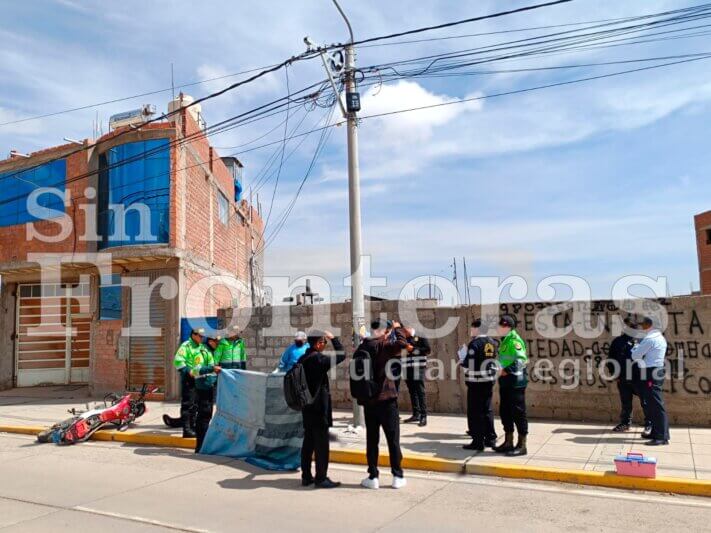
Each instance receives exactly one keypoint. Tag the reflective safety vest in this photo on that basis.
(228, 351)
(194, 357)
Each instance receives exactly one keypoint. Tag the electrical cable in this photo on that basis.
(132, 97)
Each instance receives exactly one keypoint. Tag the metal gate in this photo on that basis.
(53, 329)
(146, 359)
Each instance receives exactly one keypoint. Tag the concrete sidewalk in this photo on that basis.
(564, 445)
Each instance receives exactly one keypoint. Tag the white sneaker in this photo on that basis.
(370, 483)
(399, 482)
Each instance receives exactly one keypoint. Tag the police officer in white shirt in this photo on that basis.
(649, 355)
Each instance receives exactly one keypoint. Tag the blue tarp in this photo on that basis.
(253, 421)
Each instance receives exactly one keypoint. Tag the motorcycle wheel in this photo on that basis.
(45, 436)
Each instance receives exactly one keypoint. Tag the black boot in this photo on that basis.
(490, 442)
(172, 422)
(520, 448)
(423, 421)
(414, 418)
(506, 446)
(188, 422)
(474, 446)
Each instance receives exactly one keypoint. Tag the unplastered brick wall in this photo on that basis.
(688, 391)
(108, 370)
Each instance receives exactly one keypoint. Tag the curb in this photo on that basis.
(690, 487)
(130, 437)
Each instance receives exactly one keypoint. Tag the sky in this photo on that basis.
(598, 180)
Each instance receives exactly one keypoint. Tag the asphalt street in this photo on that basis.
(110, 487)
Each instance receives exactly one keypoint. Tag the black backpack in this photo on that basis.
(364, 387)
(296, 388)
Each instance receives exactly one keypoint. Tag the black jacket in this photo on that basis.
(621, 351)
(382, 350)
(480, 362)
(316, 366)
(415, 362)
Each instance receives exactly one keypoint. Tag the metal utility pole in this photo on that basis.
(352, 108)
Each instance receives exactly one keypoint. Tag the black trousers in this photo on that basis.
(628, 390)
(512, 408)
(205, 403)
(386, 415)
(315, 445)
(654, 398)
(480, 415)
(188, 400)
(417, 396)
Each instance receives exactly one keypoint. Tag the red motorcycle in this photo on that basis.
(119, 411)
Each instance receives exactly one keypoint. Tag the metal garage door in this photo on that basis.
(52, 343)
(146, 359)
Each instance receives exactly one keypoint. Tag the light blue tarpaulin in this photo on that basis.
(253, 422)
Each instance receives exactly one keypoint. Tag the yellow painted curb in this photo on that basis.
(21, 430)
(411, 461)
(131, 436)
(691, 487)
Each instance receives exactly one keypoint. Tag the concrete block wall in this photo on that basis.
(688, 392)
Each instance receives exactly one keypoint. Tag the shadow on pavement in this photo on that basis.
(438, 436)
(152, 451)
(577, 431)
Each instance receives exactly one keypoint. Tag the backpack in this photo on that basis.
(364, 387)
(296, 388)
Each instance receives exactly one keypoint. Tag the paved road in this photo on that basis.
(108, 487)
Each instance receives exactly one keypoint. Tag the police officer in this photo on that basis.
(187, 353)
(512, 387)
(231, 352)
(415, 365)
(628, 378)
(650, 354)
(205, 383)
(479, 364)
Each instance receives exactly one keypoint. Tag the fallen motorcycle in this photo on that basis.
(119, 411)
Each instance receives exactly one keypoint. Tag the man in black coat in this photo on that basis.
(479, 364)
(318, 416)
(628, 379)
(415, 365)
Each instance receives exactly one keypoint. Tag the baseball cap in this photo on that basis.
(507, 321)
(198, 331)
(300, 335)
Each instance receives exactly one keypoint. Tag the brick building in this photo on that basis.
(145, 228)
(702, 221)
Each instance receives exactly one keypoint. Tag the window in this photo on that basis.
(17, 186)
(708, 236)
(134, 193)
(223, 206)
(110, 298)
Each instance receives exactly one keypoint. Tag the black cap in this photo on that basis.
(507, 321)
(476, 323)
(380, 324)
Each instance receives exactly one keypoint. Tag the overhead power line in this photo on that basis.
(462, 21)
(132, 97)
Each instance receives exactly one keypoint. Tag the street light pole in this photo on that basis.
(352, 107)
